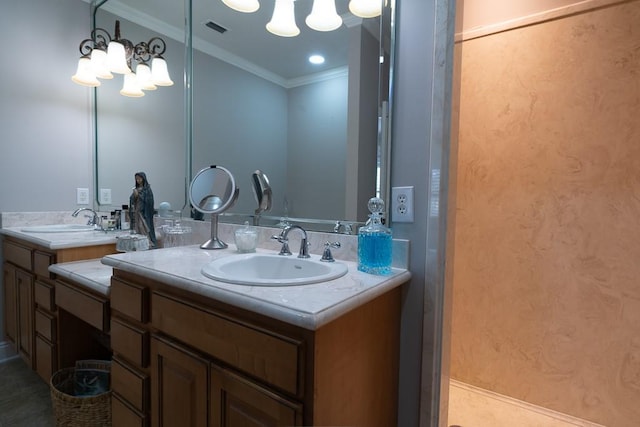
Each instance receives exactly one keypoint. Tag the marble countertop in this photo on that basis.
(56, 241)
(92, 274)
(308, 306)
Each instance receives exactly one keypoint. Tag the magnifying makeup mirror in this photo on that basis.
(212, 191)
(262, 194)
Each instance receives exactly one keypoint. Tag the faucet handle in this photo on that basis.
(284, 250)
(326, 255)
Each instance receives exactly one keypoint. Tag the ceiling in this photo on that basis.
(247, 43)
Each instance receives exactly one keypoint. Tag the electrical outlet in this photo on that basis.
(82, 196)
(402, 204)
(105, 196)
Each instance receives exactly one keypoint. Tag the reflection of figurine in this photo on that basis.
(141, 208)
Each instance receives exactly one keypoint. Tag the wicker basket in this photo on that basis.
(70, 410)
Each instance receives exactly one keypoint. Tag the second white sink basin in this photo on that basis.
(57, 228)
(272, 270)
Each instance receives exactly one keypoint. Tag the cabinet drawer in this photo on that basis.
(45, 325)
(44, 295)
(260, 353)
(41, 263)
(131, 385)
(130, 342)
(83, 305)
(17, 254)
(45, 358)
(124, 415)
(130, 300)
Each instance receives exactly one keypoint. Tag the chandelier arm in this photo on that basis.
(141, 52)
(157, 46)
(101, 38)
(86, 46)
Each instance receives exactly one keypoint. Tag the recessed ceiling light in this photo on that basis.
(316, 59)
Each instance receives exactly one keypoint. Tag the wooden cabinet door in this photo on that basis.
(179, 392)
(239, 402)
(24, 287)
(10, 304)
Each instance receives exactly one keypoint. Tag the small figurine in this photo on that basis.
(141, 209)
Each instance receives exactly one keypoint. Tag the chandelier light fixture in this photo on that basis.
(103, 55)
(323, 16)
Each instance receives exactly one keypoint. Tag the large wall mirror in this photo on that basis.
(249, 100)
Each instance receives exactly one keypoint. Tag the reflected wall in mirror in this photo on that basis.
(257, 103)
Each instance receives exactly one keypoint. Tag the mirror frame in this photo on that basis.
(385, 86)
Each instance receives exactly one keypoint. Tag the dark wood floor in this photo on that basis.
(25, 400)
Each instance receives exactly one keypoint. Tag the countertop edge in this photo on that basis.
(84, 279)
(99, 238)
(310, 321)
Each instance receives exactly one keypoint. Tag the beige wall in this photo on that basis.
(546, 280)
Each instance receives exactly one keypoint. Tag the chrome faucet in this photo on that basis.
(284, 239)
(93, 219)
(348, 228)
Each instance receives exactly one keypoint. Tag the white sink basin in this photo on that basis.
(57, 228)
(272, 270)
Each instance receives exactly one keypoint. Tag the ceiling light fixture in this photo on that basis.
(103, 55)
(316, 59)
(366, 8)
(283, 20)
(323, 16)
(246, 6)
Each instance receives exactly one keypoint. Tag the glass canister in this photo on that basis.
(375, 241)
(246, 238)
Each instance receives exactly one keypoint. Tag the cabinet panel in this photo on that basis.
(45, 325)
(123, 415)
(83, 305)
(130, 300)
(236, 401)
(44, 295)
(24, 283)
(17, 254)
(41, 263)
(130, 342)
(130, 384)
(180, 386)
(46, 361)
(10, 303)
(273, 358)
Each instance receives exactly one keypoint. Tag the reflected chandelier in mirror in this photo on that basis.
(103, 55)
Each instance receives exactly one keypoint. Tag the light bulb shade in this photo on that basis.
(323, 16)
(246, 6)
(131, 87)
(283, 20)
(84, 73)
(160, 73)
(143, 73)
(99, 64)
(366, 8)
(117, 58)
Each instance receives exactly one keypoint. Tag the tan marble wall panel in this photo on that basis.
(547, 244)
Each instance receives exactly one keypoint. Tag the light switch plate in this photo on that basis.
(82, 196)
(105, 196)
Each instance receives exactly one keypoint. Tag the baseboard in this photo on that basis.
(7, 351)
(568, 419)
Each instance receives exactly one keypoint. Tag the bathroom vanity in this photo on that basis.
(190, 350)
(30, 311)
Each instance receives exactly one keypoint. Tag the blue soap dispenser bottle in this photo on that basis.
(374, 241)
